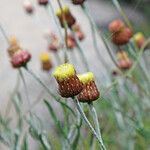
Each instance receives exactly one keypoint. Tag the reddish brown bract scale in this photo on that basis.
(70, 87)
(20, 59)
(89, 93)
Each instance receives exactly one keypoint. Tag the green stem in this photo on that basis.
(96, 122)
(102, 37)
(81, 52)
(120, 10)
(57, 98)
(4, 34)
(87, 122)
(93, 31)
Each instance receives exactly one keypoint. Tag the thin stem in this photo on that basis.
(65, 28)
(4, 34)
(120, 10)
(101, 36)
(87, 121)
(93, 31)
(96, 122)
(57, 98)
(56, 20)
(81, 51)
(26, 89)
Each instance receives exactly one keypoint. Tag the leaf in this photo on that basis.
(45, 142)
(35, 126)
(25, 143)
(56, 121)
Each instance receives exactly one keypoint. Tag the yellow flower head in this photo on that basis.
(64, 71)
(138, 36)
(66, 9)
(86, 77)
(59, 11)
(44, 57)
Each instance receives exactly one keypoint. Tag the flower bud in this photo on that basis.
(70, 41)
(139, 39)
(46, 61)
(28, 6)
(70, 20)
(43, 2)
(122, 37)
(78, 2)
(125, 64)
(90, 92)
(80, 35)
(116, 26)
(68, 82)
(123, 60)
(20, 59)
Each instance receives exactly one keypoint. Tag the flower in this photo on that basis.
(78, 2)
(68, 82)
(139, 39)
(124, 62)
(90, 92)
(43, 2)
(65, 14)
(54, 43)
(20, 59)
(28, 6)
(70, 41)
(46, 61)
(120, 33)
(116, 26)
(123, 37)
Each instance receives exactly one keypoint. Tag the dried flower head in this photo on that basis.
(139, 39)
(90, 92)
(124, 62)
(43, 2)
(20, 59)
(46, 61)
(78, 2)
(65, 14)
(28, 6)
(69, 83)
(116, 26)
(122, 37)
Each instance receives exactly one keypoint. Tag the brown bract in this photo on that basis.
(89, 93)
(70, 87)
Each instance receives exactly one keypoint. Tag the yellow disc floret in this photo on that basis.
(44, 57)
(66, 9)
(138, 36)
(58, 12)
(64, 71)
(86, 78)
